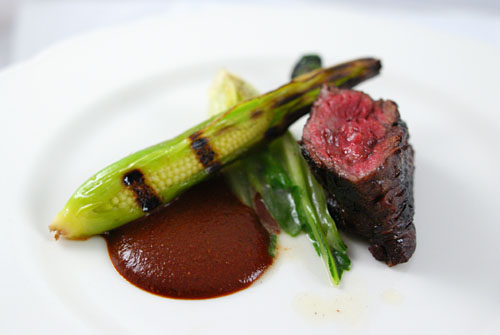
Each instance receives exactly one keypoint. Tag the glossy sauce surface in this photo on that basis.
(204, 244)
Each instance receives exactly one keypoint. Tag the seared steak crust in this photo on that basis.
(377, 205)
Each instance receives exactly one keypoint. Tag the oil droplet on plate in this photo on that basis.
(348, 305)
(392, 297)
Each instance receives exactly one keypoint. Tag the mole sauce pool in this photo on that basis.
(203, 245)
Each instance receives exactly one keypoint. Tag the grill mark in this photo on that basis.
(281, 128)
(332, 78)
(299, 96)
(204, 152)
(273, 132)
(223, 130)
(287, 99)
(353, 81)
(216, 166)
(145, 195)
(256, 114)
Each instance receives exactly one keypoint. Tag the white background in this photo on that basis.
(27, 27)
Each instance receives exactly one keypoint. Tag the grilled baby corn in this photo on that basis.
(135, 185)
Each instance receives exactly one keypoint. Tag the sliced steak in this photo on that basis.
(358, 149)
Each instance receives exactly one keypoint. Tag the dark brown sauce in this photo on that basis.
(203, 245)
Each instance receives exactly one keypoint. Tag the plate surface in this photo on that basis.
(91, 100)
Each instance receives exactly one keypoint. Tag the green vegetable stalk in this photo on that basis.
(306, 64)
(281, 176)
(318, 224)
(135, 185)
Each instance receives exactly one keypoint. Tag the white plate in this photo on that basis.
(91, 100)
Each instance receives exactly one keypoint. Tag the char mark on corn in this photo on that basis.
(204, 152)
(256, 114)
(145, 195)
(283, 101)
(279, 129)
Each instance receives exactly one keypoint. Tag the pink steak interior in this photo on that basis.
(348, 131)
